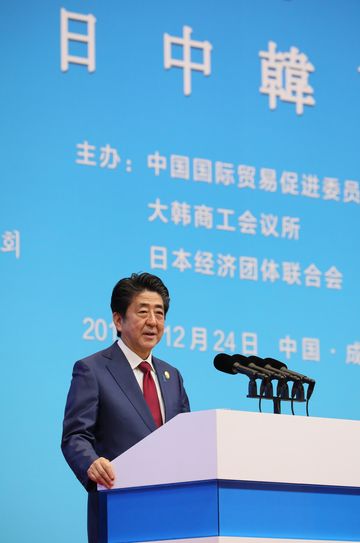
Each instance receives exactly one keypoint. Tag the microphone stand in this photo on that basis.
(282, 393)
(277, 405)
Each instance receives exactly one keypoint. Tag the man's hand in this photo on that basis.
(101, 472)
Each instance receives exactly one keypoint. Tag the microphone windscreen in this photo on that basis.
(241, 359)
(275, 363)
(223, 362)
(257, 360)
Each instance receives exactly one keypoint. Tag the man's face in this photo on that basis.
(143, 325)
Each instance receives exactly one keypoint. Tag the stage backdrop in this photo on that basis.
(213, 143)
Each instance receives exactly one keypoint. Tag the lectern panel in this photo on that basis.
(163, 512)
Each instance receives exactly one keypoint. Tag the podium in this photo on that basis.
(227, 476)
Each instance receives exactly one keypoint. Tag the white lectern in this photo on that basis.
(218, 476)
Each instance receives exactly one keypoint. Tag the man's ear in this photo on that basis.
(117, 320)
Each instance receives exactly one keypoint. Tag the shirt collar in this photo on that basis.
(133, 358)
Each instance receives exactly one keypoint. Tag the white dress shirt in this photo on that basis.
(134, 361)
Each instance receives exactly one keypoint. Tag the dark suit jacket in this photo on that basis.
(106, 413)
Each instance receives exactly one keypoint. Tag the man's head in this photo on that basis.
(139, 304)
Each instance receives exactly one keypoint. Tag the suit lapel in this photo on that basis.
(124, 376)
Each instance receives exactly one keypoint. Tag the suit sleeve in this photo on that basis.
(78, 438)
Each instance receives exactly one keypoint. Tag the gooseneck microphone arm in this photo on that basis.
(229, 364)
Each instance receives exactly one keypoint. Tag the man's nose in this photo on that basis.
(151, 318)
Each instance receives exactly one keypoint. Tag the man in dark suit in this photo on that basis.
(121, 394)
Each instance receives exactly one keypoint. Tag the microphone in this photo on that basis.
(292, 375)
(256, 361)
(298, 390)
(282, 389)
(224, 362)
(249, 363)
(266, 388)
